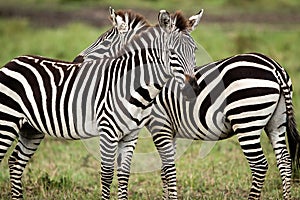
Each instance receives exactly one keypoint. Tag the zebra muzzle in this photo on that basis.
(191, 89)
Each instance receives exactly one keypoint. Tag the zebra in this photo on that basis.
(108, 97)
(125, 23)
(240, 95)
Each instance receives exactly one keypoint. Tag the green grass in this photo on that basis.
(65, 170)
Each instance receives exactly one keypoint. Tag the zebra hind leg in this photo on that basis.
(250, 144)
(125, 151)
(29, 140)
(276, 129)
(8, 133)
(165, 184)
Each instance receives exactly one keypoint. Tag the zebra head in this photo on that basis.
(181, 47)
(126, 24)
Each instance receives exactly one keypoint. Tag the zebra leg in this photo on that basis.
(165, 184)
(8, 133)
(108, 149)
(163, 177)
(275, 130)
(125, 151)
(250, 143)
(28, 143)
(167, 154)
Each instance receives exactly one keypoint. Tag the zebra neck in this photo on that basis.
(133, 90)
(141, 85)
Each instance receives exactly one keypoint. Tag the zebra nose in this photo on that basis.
(191, 89)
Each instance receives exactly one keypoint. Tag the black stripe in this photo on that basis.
(7, 100)
(144, 93)
(248, 137)
(17, 87)
(251, 146)
(66, 98)
(248, 108)
(253, 154)
(249, 129)
(249, 119)
(244, 72)
(250, 93)
(137, 103)
(246, 58)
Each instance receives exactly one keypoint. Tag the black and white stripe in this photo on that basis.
(241, 95)
(126, 24)
(108, 97)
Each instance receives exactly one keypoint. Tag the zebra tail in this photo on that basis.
(293, 136)
(294, 144)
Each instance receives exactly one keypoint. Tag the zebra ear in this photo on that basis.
(194, 20)
(164, 20)
(112, 13)
(118, 21)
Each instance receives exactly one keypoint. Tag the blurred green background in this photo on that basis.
(62, 28)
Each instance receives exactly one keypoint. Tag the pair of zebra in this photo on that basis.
(123, 82)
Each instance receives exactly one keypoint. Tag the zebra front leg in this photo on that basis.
(108, 149)
(167, 154)
(250, 143)
(28, 143)
(163, 176)
(125, 151)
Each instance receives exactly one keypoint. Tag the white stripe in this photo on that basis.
(53, 98)
(30, 94)
(17, 98)
(62, 108)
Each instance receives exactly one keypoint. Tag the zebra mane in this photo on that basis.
(134, 21)
(50, 59)
(181, 22)
(133, 18)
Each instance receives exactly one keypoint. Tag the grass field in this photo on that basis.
(220, 7)
(65, 170)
